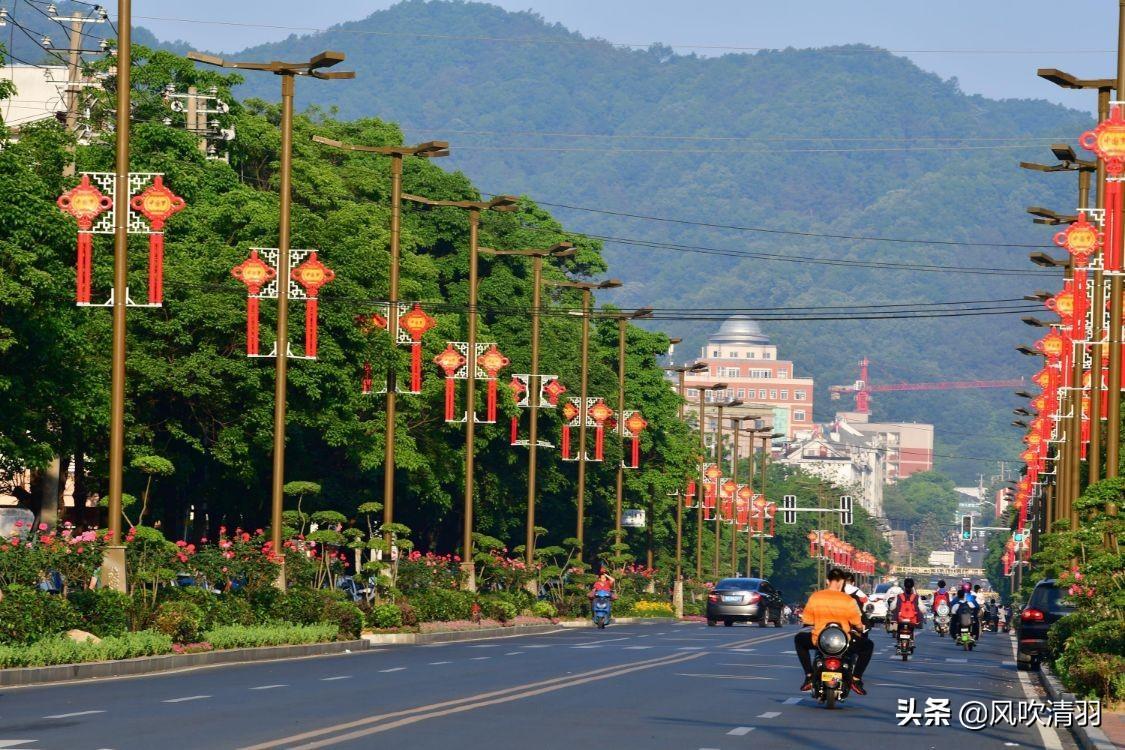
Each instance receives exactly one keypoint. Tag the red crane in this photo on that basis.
(863, 389)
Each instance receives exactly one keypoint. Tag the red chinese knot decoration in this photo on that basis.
(157, 204)
(255, 274)
(450, 361)
(311, 275)
(85, 203)
(416, 322)
(492, 361)
(635, 424)
(600, 413)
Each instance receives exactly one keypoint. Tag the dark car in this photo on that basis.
(744, 600)
(1045, 606)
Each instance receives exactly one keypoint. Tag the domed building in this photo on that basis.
(741, 356)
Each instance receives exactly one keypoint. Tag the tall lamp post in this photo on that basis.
(767, 440)
(430, 149)
(700, 485)
(288, 71)
(719, 463)
(737, 432)
(678, 584)
(499, 203)
(587, 288)
(560, 250)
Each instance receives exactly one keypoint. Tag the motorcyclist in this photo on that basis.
(992, 612)
(941, 596)
(964, 599)
(832, 605)
(892, 594)
(604, 582)
(855, 592)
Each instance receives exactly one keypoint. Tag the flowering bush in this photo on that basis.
(243, 559)
(182, 621)
(420, 572)
(28, 615)
(652, 609)
(32, 554)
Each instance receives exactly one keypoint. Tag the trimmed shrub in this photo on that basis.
(409, 616)
(28, 615)
(347, 617)
(229, 609)
(241, 636)
(300, 606)
(544, 609)
(387, 616)
(262, 603)
(180, 620)
(61, 650)
(442, 605)
(104, 612)
(496, 608)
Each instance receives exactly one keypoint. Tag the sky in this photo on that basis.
(992, 47)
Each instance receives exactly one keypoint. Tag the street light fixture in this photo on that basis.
(719, 462)
(314, 67)
(499, 203)
(700, 485)
(559, 250)
(1047, 216)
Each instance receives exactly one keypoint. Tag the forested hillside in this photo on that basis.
(844, 141)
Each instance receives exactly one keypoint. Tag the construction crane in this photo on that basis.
(863, 389)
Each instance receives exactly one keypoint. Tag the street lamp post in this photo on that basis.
(288, 71)
(766, 440)
(719, 463)
(560, 250)
(736, 431)
(430, 149)
(586, 287)
(700, 485)
(499, 203)
(678, 584)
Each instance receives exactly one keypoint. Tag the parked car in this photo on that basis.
(1045, 607)
(744, 600)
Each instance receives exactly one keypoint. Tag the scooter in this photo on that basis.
(941, 620)
(904, 643)
(601, 607)
(965, 637)
(833, 665)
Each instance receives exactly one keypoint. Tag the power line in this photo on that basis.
(602, 42)
(766, 151)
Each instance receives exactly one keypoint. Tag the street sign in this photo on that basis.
(788, 504)
(846, 510)
(633, 518)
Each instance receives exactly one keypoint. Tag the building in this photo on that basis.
(910, 445)
(40, 92)
(847, 458)
(740, 355)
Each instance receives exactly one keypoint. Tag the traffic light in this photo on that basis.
(846, 510)
(788, 505)
(966, 527)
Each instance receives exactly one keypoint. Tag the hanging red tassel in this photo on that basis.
(515, 431)
(312, 275)
(368, 381)
(636, 453)
(157, 203)
(252, 326)
(491, 411)
(310, 327)
(599, 442)
(416, 323)
(85, 262)
(773, 513)
(254, 273)
(416, 367)
(566, 441)
(450, 395)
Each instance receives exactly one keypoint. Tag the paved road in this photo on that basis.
(654, 686)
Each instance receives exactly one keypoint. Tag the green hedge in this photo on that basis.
(28, 615)
(62, 650)
(104, 612)
(241, 636)
(442, 605)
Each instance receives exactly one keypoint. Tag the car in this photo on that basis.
(975, 548)
(744, 600)
(1045, 607)
(876, 607)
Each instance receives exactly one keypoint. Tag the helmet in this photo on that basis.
(967, 587)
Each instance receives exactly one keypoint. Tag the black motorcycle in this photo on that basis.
(904, 642)
(833, 665)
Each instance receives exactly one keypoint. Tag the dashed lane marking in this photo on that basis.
(268, 687)
(689, 648)
(187, 698)
(513, 653)
(13, 743)
(435, 663)
(484, 645)
(769, 715)
(73, 714)
(740, 731)
(636, 648)
(480, 658)
(723, 676)
(789, 652)
(743, 650)
(792, 701)
(602, 640)
(585, 646)
(340, 677)
(1008, 663)
(957, 661)
(392, 669)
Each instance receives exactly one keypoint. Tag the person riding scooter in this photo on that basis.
(907, 609)
(964, 600)
(827, 606)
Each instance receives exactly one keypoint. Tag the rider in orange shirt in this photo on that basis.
(833, 605)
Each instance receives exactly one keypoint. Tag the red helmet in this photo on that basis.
(967, 588)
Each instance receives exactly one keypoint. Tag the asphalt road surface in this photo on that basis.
(652, 686)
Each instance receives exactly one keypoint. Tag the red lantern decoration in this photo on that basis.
(85, 203)
(311, 275)
(600, 413)
(415, 323)
(157, 204)
(635, 424)
(812, 536)
(367, 324)
(550, 390)
(519, 393)
(255, 273)
(689, 494)
(1052, 345)
(1107, 140)
(491, 361)
(570, 414)
(450, 361)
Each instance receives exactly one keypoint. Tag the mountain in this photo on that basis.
(848, 141)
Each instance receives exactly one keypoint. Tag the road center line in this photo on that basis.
(769, 715)
(481, 700)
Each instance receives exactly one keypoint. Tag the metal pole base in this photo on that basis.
(469, 573)
(678, 599)
(279, 582)
(113, 573)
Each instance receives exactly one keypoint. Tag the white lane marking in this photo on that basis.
(636, 648)
(740, 731)
(539, 645)
(585, 646)
(186, 699)
(513, 653)
(392, 669)
(723, 676)
(341, 677)
(268, 687)
(1008, 663)
(480, 658)
(689, 648)
(603, 640)
(484, 645)
(435, 663)
(72, 714)
(958, 661)
(792, 701)
(1048, 736)
(743, 650)
(769, 715)
(761, 666)
(789, 652)
(1011, 744)
(13, 743)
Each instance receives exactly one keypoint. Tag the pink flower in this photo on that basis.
(181, 543)
(19, 524)
(42, 527)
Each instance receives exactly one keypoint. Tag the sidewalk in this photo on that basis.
(1113, 724)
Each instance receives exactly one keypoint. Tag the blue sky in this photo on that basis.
(992, 46)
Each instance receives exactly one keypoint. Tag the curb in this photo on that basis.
(1088, 738)
(617, 621)
(23, 676)
(452, 636)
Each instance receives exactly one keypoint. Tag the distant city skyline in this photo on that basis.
(993, 48)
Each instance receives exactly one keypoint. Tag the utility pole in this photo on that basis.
(499, 203)
(428, 150)
(288, 72)
(74, 70)
(534, 382)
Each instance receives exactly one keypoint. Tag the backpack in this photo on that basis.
(939, 597)
(907, 608)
